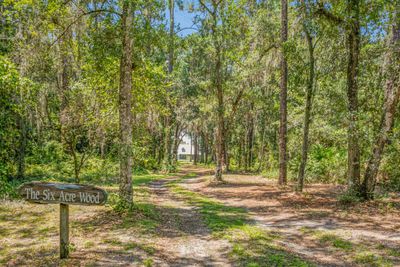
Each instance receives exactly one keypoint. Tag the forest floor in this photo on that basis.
(185, 220)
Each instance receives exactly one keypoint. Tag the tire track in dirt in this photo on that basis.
(185, 240)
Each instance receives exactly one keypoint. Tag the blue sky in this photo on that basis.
(183, 19)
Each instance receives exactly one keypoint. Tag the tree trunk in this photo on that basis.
(167, 144)
(202, 147)
(167, 135)
(307, 112)
(195, 152)
(206, 146)
(353, 42)
(226, 154)
(125, 98)
(262, 149)
(171, 36)
(217, 82)
(175, 144)
(76, 167)
(283, 97)
(64, 81)
(250, 136)
(220, 129)
(392, 94)
(22, 146)
(21, 116)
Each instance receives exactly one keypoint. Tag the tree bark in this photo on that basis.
(307, 112)
(176, 142)
(64, 82)
(283, 97)
(392, 94)
(353, 42)
(167, 136)
(250, 137)
(171, 36)
(195, 152)
(21, 116)
(217, 82)
(206, 146)
(22, 145)
(167, 144)
(125, 98)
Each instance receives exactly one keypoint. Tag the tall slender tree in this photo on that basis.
(309, 95)
(353, 43)
(392, 95)
(125, 100)
(167, 161)
(283, 97)
(351, 22)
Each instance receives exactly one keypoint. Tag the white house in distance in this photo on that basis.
(186, 148)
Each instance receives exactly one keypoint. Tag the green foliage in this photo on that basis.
(50, 152)
(325, 164)
(9, 109)
(58, 117)
(349, 198)
(390, 179)
(8, 190)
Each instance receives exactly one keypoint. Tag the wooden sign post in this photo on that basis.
(65, 195)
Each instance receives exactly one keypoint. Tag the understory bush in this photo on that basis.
(389, 176)
(324, 164)
(349, 198)
(50, 152)
(8, 189)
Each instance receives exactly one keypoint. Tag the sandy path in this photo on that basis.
(189, 242)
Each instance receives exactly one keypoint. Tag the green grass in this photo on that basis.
(252, 246)
(217, 216)
(150, 250)
(330, 239)
(190, 175)
(370, 259)
(131, 245)
(148, 262)
(336, 241)
(146, 178)
(359, 253)
(89, 244)
(389, 251)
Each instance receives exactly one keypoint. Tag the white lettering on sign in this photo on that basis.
(71, 194)
(66, 197)
(32, 194)
(48, 195)
(89, 198)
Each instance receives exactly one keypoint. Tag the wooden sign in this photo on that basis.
(56, 193)
(65, 195)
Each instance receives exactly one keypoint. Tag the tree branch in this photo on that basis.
(205, 6)
(325, 13)
(267, 50)
(78, 18)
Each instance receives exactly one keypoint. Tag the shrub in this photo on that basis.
(50, 152)
(349, 198)
(325, 164)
